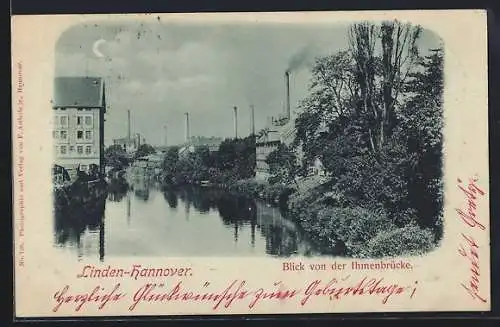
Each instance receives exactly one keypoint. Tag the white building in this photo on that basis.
(79, 106)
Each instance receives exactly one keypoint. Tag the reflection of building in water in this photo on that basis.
(81, 228)
(101, 240)
(128, 209)
(141, 185)
(235, 236)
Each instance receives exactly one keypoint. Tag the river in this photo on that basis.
(145, 219)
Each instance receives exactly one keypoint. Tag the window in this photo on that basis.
(64, 135)
(79, 135)
(64, 120)
(88, 135)
(63, 149)
(88, 120)
(88, 149)
(79, 149)
(71, 148)
(79, 120)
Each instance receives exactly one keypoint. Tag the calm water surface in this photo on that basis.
(146, 220)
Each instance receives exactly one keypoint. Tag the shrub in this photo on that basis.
(352, 228)
(344, 231)
(410, 240)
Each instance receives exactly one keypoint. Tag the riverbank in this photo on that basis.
(338, 224)
(339, 228)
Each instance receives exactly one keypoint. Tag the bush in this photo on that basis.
(352, 228)
(410, 240)
(341, 230)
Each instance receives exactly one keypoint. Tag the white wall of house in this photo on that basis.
(76, 137)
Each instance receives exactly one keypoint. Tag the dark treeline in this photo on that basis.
(234, 160)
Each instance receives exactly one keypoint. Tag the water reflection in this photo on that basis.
(117, 189)
(81, 227)
(144, 219)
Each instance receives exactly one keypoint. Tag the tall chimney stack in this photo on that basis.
(187, 136)
(128, 126)
(235, 122)
(252, 120)
(287, 94)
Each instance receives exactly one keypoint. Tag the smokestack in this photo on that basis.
(287, 94)
(187, 136)
(235, 122)
(252, 120)
(128, 126)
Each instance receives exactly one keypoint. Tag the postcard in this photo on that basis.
(250, 163)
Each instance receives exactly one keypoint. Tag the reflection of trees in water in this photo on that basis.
(117, 189)
(72, 221)
(282, 237)
(171, 198)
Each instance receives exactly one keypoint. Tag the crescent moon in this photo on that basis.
(95, 48)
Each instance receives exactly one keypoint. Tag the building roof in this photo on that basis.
(202, 140)
(269, 137)
(124, 140)
(88, 92)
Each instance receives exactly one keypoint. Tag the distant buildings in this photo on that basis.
(265, 143)
(129, 144)
(279, 130)
(151, 164)
(79, 106)
(195, 142)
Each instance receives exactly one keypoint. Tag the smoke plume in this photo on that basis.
(302, 58)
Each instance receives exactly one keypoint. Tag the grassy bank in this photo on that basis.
(355, 231)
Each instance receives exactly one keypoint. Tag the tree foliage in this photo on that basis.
(283, 165)
(234, 160)
(116, 157)
(144, 150)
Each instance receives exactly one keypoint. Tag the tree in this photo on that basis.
(170, 163)
(373, 119)
(282, 165)
(116, 157)
(381, 78)
(421, 130)
(328, 112)
(144, 150)
(237, 156)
